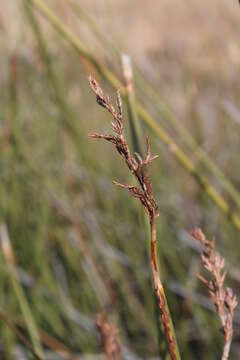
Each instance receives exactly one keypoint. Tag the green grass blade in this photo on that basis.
(23, 303)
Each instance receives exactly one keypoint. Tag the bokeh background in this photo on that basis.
(73, 245)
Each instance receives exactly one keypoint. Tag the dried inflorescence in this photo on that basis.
(135, 163)
(109, 337)
(223, 299)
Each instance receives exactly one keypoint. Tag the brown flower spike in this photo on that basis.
(223, 299)
(137, 166)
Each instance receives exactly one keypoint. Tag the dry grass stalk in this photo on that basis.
(137, 165)
(109, 337)
(222, 298)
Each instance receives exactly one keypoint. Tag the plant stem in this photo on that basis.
(131, 104)
(8, 254)
(226, 350)
(19, 335)
(161, 297)
(136, 137)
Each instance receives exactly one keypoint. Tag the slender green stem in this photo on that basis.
(23, 303)
(55, 84)
(18, 334)
(131, 104)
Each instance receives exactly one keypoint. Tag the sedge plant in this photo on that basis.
(137, 166)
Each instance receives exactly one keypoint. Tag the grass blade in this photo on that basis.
(23, 303)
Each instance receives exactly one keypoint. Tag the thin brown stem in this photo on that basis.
(161, 297)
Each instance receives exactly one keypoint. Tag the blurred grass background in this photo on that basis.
(71, 243)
